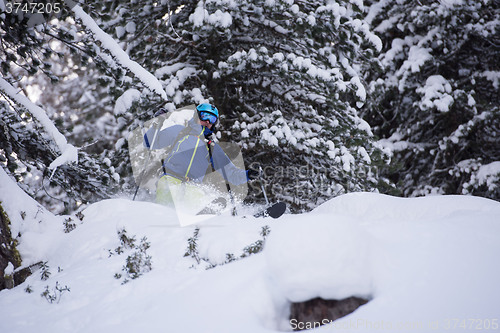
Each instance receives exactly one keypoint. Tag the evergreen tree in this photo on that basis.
(285, 75)
(78, 103)
(435, 103)
(28, 146)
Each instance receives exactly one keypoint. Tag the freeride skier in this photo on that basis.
(191, 155)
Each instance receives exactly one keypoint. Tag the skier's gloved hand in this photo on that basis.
(208, 134)
(160, 112)
(252, 174)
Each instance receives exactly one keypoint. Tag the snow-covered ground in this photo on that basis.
(426, 264)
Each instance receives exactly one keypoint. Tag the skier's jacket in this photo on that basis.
(188, 157)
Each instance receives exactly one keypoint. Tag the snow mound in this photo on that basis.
(373, 206)
(422, 262)
(321, 258)
(31, 224)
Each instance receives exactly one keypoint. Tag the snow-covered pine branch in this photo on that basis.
(148, 79)
(69, 153)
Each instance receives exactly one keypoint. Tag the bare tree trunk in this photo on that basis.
(8, 251)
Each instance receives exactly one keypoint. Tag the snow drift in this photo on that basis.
(426, 264)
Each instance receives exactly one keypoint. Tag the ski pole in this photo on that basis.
(158, 126)
(262, 185)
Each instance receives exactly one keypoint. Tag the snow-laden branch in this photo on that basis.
(69, 153)
(116, 51)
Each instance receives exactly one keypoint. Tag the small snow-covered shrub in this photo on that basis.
(138, 262)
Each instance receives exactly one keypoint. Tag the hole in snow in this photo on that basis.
(318, 312)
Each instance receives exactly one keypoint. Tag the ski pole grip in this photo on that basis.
(158, 122)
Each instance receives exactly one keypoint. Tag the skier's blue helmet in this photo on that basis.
(206, 107)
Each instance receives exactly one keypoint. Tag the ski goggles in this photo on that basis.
(204, 116)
